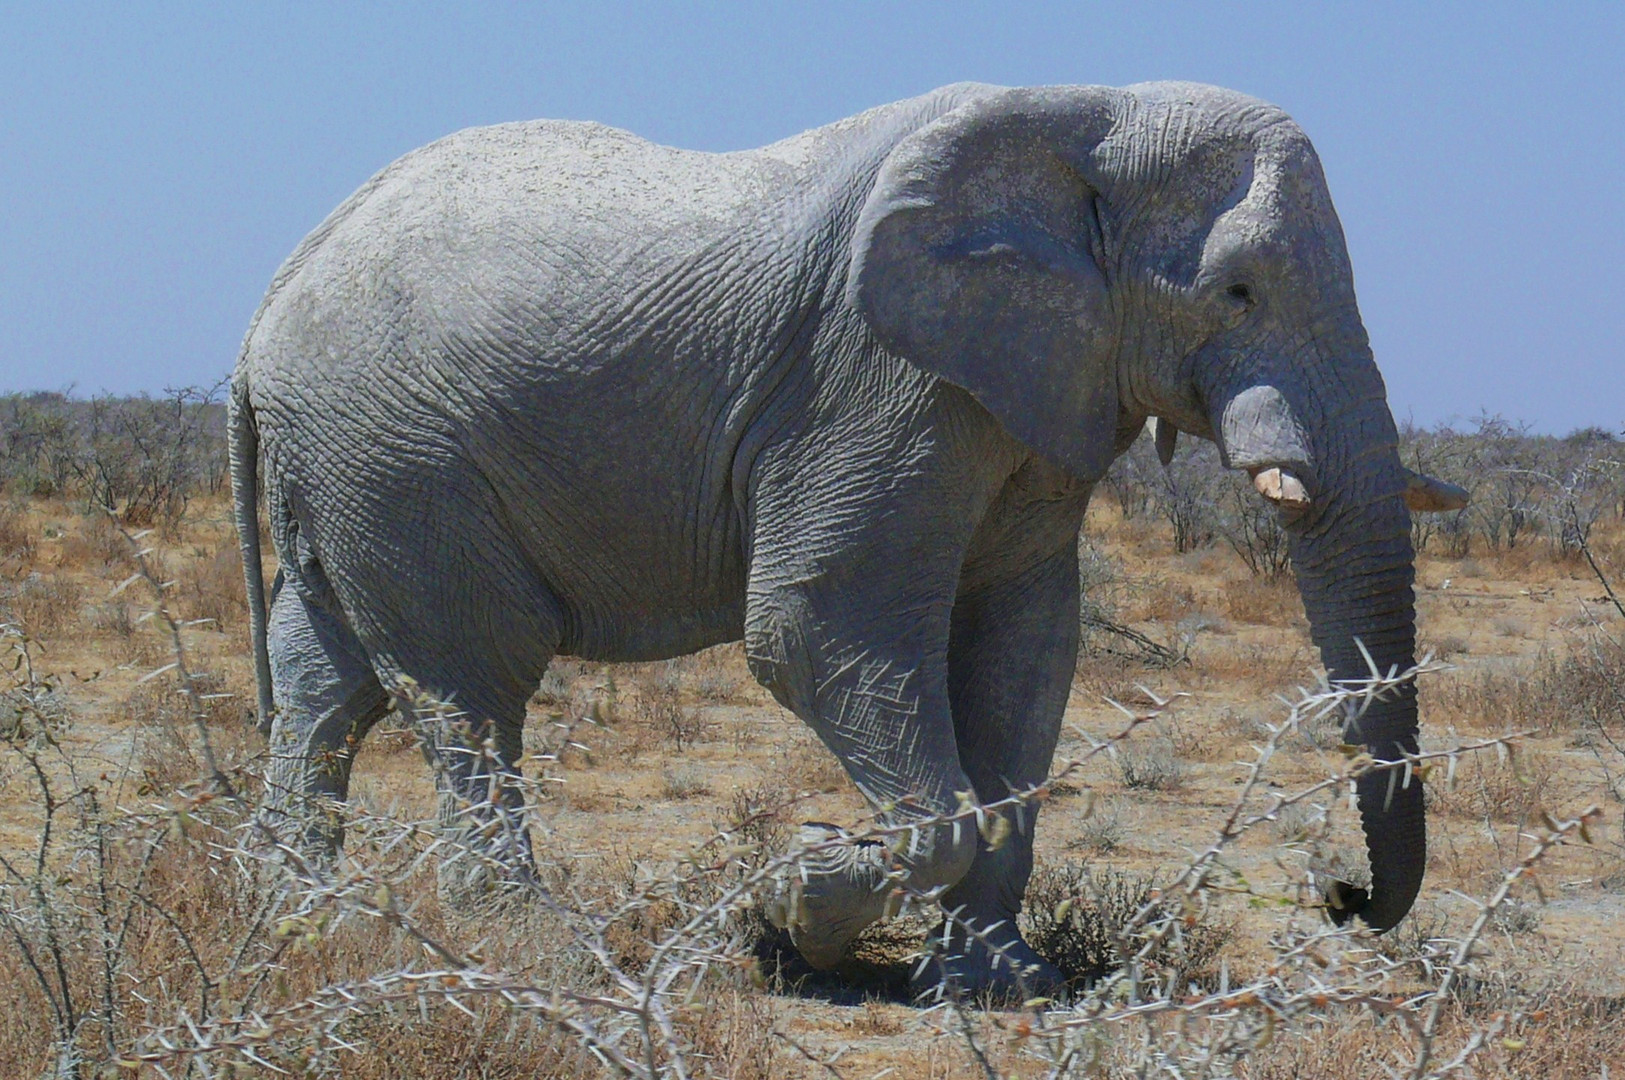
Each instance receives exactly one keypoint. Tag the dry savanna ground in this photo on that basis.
(145, 926)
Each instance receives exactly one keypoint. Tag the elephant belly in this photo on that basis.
(630, 522)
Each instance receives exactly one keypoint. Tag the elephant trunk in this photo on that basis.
(1355, 573)
(1351, 551)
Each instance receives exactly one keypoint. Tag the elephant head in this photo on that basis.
(1082, 258)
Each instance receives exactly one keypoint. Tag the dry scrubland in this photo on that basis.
(147, 925)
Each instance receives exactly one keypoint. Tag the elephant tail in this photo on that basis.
(244, 443)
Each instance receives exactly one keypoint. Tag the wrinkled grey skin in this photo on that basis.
(547, 388)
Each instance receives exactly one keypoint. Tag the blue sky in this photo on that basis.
(158, 161)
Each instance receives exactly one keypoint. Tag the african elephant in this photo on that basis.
(547, 388)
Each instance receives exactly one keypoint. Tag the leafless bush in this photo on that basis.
(1186, 494)
(1104, 590)
(683, 782)
(145, 457)
(664, 720)
(210, 589)
(1510, 790)
(1523, 486)
(1253, 530)
(1300, 822)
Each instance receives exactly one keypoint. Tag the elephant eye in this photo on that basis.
(1241, 292)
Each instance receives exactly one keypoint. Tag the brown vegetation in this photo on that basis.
(145, 920)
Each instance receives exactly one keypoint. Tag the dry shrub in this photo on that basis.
(1301, 822)
(720, 675)
(1165, 601)
(211, 588)
(45, 604)
(806, 765)
(1581, 690)
(1443, 647)
(679, 782)
(16, 538)
(1264, 601)
(1151, 764)
(656, 718)
(1103, 831)
(558, 687)
(1075, 917)
(1563, 1034)
(96, 542)
(166, 742)
(735, 1037)
(1486, 789)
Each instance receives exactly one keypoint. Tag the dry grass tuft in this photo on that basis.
(806, 765)
(210, 588)
(16, 538)
(1513, 790)
(1151, 764)
(47, 605)
(1264, 601)
(95, 543)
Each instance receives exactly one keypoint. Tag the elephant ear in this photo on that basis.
(975, 258)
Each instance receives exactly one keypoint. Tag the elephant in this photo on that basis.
(546, 388)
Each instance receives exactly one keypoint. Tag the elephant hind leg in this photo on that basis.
(327, 698)
(463, 654)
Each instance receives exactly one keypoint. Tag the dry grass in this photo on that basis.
(17, 541)
(1581, 689)
(1150, 764)
(45, 605)
(95, 543)
(690, 751)
(209, 587)
(1263, 601)
(1513, 790)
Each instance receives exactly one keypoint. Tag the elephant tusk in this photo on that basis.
(1282, 488)
(1425, 494)
(1166, 436)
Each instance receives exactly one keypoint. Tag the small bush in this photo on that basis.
(45, 605)
(683, 782)
(806, 765)
(96, 542)
(1150, 765)
(1103, 831)
(1300, 821)
(16, 539)
(1075, 918)
(664, 720)
(1485, 789)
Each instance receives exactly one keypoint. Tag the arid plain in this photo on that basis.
(141, 919)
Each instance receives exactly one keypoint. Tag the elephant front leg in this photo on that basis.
(1011, 656)
(865, 680)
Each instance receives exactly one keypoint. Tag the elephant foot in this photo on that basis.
(828, 897)
(995, 963)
